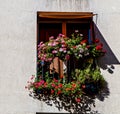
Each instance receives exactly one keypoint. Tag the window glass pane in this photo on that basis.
(82, 27)
(48, 29)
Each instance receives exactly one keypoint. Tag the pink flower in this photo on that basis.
(38, 84)
(63, 36)
(54, 51)
(67, 57)
(63, 42)
(60, 35)
(32, 77)
(64, 50)
(54, 44)
(42, 81)
(53, 85)
(51, 38)
(63, 45)
(50, 59)
(61, 49)
(42, 58)
(57, 39)
(76, 31)
(40, 44)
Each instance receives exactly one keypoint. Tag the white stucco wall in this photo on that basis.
(18, 50)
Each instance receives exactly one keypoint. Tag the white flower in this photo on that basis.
(80, 55)
(61, 49)
(81, 50)
(81, 34)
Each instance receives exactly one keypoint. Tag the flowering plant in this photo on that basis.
(83, 82)
(63, 47)
(56, 88)
(84, 79)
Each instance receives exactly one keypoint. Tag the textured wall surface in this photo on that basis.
(18, 50)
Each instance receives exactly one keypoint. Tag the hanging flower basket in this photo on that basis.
(82, 78)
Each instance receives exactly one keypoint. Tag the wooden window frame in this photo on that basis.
(64, 18)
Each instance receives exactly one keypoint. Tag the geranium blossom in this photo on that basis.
(99, 47)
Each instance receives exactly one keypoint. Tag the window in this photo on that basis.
(53, 23)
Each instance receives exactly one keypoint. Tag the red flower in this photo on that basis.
(74, 85)
(83, 41)
(55, 80)
(52, 91)
(45, 84)
(98, 47)
(96, 40)
(67, 89)
(74, 47)
(78, 99)
(72, 89)
(59, 92)
(38, 84)
(60, 85)
(83, 86)
(56, 87)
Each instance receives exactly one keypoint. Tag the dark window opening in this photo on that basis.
(47, 30)
(53, 23)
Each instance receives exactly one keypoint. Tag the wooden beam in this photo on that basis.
(66, 15)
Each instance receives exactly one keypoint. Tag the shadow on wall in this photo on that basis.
(85, 106)
(107, 62)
